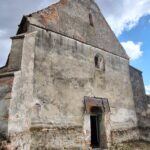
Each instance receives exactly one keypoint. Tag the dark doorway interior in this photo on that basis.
(95, 131)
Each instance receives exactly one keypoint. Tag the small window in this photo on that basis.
(99, 62)
(91, 20)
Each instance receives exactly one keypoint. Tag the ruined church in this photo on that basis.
(68, 85)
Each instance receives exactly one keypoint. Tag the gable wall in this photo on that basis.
(72, 19)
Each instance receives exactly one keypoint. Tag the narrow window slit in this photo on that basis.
(91, 20)
(96, 61)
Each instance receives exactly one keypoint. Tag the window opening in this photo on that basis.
(91, 20)
(97, 61)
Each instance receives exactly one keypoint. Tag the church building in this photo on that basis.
(68, 85)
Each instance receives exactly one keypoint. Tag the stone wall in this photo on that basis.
(48, 93)
(14, 59)
(146, 122)
(6, 82)
(148, 99)
(22, 97)
(65, 72)
(57, 138)
(138, 91)
(141, 103)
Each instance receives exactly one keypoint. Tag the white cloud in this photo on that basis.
(124, 14)
(133, 50)
(147, 88)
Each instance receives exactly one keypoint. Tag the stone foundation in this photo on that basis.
(57, 138)
(120, 136)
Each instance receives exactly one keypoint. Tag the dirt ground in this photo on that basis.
(133, 146)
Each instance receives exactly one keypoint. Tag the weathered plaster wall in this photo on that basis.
(22, 97)
(48, 92)
(145, 128)
(6, 82)
(138, 91)
(14, 60)
(141, 103)
(64, 72)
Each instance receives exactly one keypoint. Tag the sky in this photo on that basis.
(129, 19)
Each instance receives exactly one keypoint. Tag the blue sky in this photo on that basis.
(140, 34)
(129, 19)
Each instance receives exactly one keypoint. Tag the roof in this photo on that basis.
(135, 69)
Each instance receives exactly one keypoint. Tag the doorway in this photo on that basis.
(95, 119)
(97, 116)
(95, 131)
